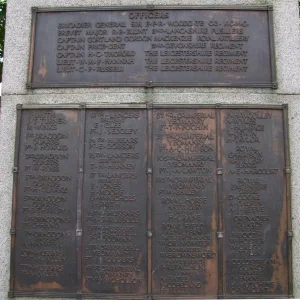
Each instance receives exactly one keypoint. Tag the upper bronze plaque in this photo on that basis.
(152, 46)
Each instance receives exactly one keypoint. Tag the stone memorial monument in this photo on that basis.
(149, 150)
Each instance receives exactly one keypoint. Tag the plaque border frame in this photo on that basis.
(149, 107)
(150, 84)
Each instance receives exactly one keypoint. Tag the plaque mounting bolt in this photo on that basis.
(150, 7)
(12, 231)
(149, 105)
(287, 171)
(11, 295)
(78, 232)
(149, 234)
(219, 171)
(220, 234)
(149, 84)
(15, 169)
(79, 295)
(290, 233)
(149, 171)
(19, 106)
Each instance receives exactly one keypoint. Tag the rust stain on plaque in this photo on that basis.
(71, 115)
(43, 67)
(40, 286)
(211, 285)
(280, 272)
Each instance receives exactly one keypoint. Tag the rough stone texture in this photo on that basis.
(287, 40)
(287, 46)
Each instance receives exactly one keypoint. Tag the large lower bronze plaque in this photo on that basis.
(151, 202)
(152, 46)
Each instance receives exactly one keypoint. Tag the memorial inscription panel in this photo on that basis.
(115, 202)
(46, 214)
(161, 46)
(254, 211)
(185, 202)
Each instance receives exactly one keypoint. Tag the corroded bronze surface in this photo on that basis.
(152, 46)
(126, 202)
(255, 213)
(185, 260)
(115, 202)
(45, 257)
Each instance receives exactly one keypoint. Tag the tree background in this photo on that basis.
(3, 4)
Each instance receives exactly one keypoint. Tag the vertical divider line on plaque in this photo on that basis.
(81, 143)
(149, 204)
(15, 171)
(220, 229)
(288, 199)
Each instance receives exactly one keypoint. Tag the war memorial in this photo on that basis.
(150, 150)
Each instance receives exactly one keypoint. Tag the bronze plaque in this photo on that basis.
(255, 213)
(115, 202)
(45, 258)
(185, 260)
(152, 46)
(162, 202)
